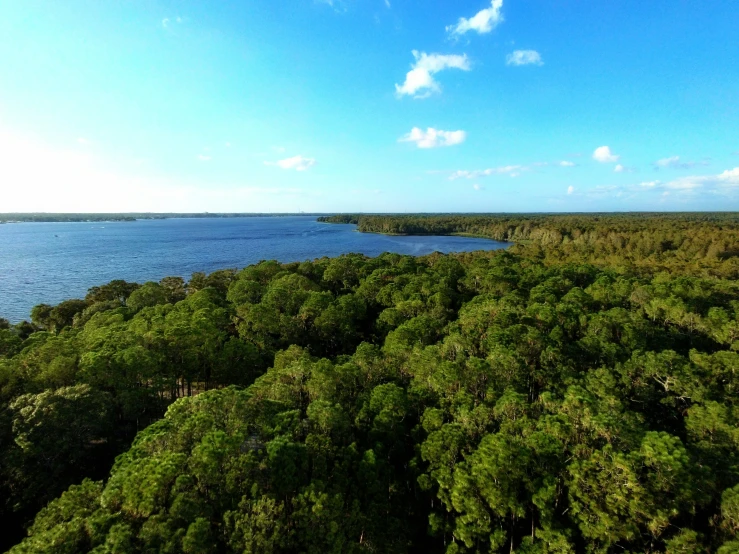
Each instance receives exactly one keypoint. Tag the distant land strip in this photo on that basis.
(405, 223)
(41, 217)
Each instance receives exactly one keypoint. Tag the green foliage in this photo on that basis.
(147, 295)
(582, 397)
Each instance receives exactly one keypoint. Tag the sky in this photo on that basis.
(369, 105)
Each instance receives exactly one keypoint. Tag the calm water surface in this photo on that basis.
(51, 262)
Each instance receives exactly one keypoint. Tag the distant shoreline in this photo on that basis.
(130, 217)
(329, 217)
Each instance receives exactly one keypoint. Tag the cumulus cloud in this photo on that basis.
(433, 138)
(419, 81)
(565, 163)
(604, 155)
(570, 190)
(482, 22)
(298, 163)
(524, 57)
(619, 168)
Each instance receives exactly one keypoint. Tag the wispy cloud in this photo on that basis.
(570, 190)
(298, 163)
(674, 162)
(419, 81)
(167, 22)
(482, 22)
(604, 155)
(478, 187)
(727, 180)
(433, 138)
(690, 187)
(338, 5)
(524, 57)
(511, 170)
(204, 158)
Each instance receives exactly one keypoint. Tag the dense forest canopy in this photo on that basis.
(689, 243)
(577, 393)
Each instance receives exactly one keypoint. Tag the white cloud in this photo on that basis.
(478, 187)
(166, 22)
(570, 190)
(729, 179)
(730, 176)
(339, 6)
(604, 155)
(433, 138)
(667, 162)
(419, 81)
(512, 170)
(387, 3)
(674, 162)
(619, 168)
(686, 188)
(298, 163)
(482, 22)
(565, 163)
(228, 145)
(204, 158)
(524, 57)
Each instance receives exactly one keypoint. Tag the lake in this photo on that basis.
(51, 262)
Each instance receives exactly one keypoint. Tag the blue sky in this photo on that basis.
(369, 105)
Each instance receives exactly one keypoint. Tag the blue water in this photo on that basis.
(51, 262)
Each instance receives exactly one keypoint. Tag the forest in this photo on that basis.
(575, 393)
(689, 243)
